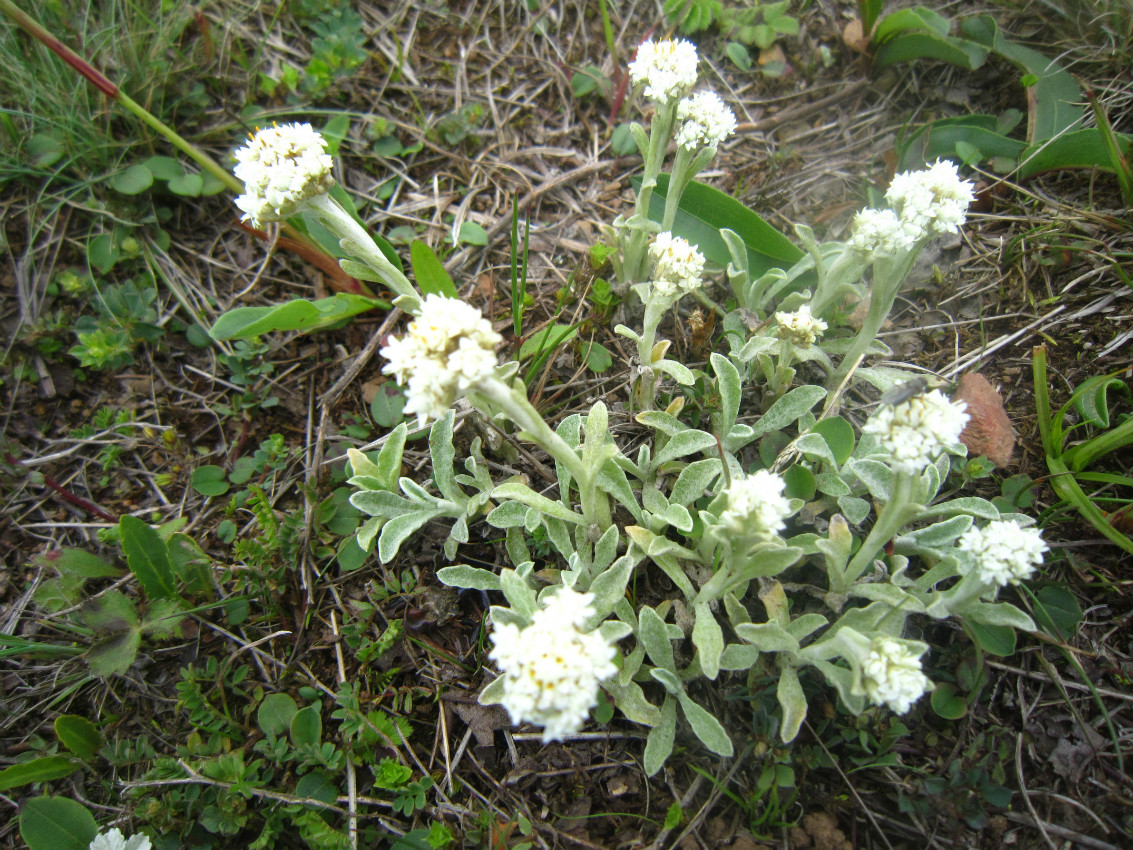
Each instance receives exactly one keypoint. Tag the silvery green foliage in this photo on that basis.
(872, 546)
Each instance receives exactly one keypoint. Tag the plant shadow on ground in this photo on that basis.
(312, 658)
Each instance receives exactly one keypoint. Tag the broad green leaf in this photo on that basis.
(164, 167)
(276, 713)
(708, 639)
(132, 181)
(610, 586)
(1076, 149)
(914, 19)
(45, 150)
(769, 637)
(792, 702)
(659, 743)
(432, 279)
(470, 578)
(708, 729)
(939, 139)
(187, 186)
(996, 640)
(947, 702)
(307, 726)
(472, 233)
(789, 408)
(398, 529)
(297, 315)
(999, 614)
(56, 823)
(519, 594)
(694, 480)
(913, 46)
(78, 735)
(597, 357)
(388, 405)
(103, 252)
(78, 562)
(684, 443)
(1058, 612)
(147, 556)
(839, 436)
(114, 655)
(704, 210)
(210, 480)
(43, 769)
(655, 638)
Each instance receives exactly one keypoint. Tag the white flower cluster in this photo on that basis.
(1005, 552)
(891, 675)
(756, 504)
(800, 327)
(678, 266)
(448, 349)
(914, 432)
(666, 68)
(114, 840)
(935, 201)
(551, 668)
(282, 167)
(882, 233)
(706, 121)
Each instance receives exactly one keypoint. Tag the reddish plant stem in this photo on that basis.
(67, 495)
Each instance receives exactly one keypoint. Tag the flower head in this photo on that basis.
(935, 200)
(756, 504)
(678, 266)
(891, 674)
(113, 840)
(551, 668)
(666, 68)
(447, 350)
(282, 168)
(800, 327)
(882, 233)
(1005, 552)
(914, 432)
(707, 121)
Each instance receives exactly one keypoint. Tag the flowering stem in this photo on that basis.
(358, 243)
(660, 132)
(844, 270)
(899, 510)
(677, 183)
(595, 505)
(646, 388)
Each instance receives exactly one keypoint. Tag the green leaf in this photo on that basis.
(684, 443)
(432, 279)
(523, 493)
(999, 614)
(210, 480)
(1076, 149)
(597, 357)
(147, 556)
(78, 735)
(659, 743)
(316, 786)
(704, 210)
(708, 638)
(188, 186)
(472, 233)
(708, 729)
(114, 655)
(442, 453)
(789, 408)
(164, 167)
(1058, 612)
(43, 769)
(56, 823)
(132, 181)
(398, 529)
(947, 702)
(839, 436)
(997, 640)
(276, 714)
(792, 702)
(469, 578)
(297, 315)
(910, 46)
(307, 726)
(940, 138)
(78, 562)
(103, 252)
(739, 55)
(388, 405)
(655, 638)
(45, 150)
(914, 19)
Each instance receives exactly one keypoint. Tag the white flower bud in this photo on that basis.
(282, 168)
(666, 68)
(1004, 551)
(678, 266)
(935, 200)
(800, 327)
(756, 504)
(891, 674)
(551, 669)
(707, 121)
(915, 432)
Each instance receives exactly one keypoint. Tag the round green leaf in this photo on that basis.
(307, 726)
(211, 184)
(800, 482)
(316, 786)
(739, 55)
(188, 185)
(839, 435)
(78, 735)
(387, 406)
(1057, 611)
(56, 823)
(996, 640)
(102, 252)
(164, 167)
(209, 480)
(45, 150)
(622, 142)
(472, 233)
(947, 703)
(132, 181)
(276, 713)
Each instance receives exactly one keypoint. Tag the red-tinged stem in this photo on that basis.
(67, 495)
